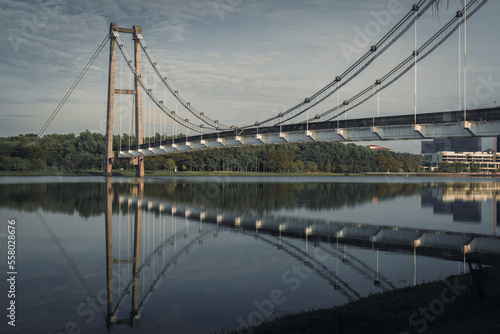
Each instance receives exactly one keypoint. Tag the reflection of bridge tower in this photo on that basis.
(140, 238)
(133, 321)
(134, 316)
(139, 161)
(109, 252)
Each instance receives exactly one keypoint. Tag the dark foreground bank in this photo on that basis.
(468, 303)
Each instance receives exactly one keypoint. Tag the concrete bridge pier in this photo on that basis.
(136, 31)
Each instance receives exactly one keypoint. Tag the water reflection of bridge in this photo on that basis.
(431, 242)
(276, 231)
(141, 262)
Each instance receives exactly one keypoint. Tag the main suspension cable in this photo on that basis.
(183, 101)
(72, 88)
(161, 104)
(397, 72)
(359, 66)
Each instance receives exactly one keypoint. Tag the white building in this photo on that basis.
(484, 160)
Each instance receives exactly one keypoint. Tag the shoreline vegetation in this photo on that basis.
(131, 173)
(86, 151)
(467, 303)
(85, 154)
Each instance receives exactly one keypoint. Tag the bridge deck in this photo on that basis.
(451, 124)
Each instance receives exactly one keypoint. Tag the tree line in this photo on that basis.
(86, 151)
(88, 199)
(216, 193)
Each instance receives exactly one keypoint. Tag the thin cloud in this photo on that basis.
(20, 116)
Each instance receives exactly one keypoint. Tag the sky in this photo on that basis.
(238, 61)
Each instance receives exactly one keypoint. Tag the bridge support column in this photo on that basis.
(139, 172)
(111, 102)
(418, 129)
(341, 134)
(376, 131)
(467, 126)
(110, 156)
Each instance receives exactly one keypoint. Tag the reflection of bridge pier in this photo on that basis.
(134, 316)
(109, 251)
(137, 189)
(133, 321)
(139, 267)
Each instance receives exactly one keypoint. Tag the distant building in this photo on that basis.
(451, 145)
(485, 160)
(495, 143)
(378, 148)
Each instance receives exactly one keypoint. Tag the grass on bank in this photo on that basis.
(161, 173)
(131, 173)
(394, 311)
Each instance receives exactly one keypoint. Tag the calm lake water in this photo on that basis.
(198, 255)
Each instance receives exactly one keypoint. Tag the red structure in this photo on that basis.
(378, 148)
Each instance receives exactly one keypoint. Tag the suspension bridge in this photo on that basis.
(305, 121)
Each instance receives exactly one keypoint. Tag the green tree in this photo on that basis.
(474, 168)
(169, 164)
(284, 156)
(311, 166)
(36, 164)
(445, 167)
(458, 167)
(19, 164)
(300, 166)
(244, 160)
(5, 162)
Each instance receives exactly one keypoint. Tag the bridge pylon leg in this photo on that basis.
(110, 155)
(139, 169)
(139, 172)
(111, 102)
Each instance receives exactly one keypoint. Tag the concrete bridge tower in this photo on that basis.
(136, 31)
